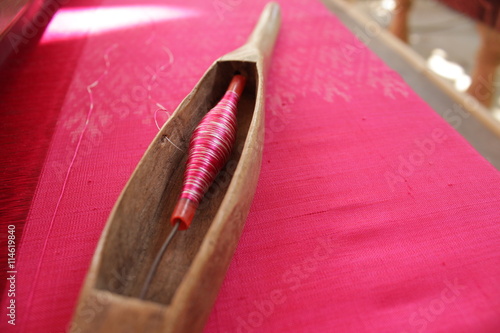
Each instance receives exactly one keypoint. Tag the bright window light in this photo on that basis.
(78, 22)
(389, 5)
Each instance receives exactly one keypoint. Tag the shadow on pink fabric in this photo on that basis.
(372, 214)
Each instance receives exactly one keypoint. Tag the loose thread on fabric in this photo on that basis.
(65, 182)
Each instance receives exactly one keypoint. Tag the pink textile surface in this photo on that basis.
(371, 214)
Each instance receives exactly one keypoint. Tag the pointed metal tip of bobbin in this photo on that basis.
(184, 213)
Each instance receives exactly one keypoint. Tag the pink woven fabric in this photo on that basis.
(371, 214)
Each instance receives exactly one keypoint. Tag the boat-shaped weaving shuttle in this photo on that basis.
(183, 290)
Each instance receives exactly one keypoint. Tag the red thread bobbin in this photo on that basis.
(209, 150)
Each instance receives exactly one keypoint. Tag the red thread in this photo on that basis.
(209, 150)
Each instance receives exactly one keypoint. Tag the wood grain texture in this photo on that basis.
(187, 281)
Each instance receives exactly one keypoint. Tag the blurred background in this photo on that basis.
(451, 35)
(448, 35)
